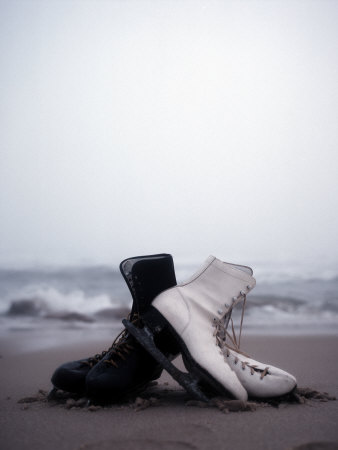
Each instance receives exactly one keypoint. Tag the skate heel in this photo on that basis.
(154, 324)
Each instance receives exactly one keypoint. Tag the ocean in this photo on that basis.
(69, 302)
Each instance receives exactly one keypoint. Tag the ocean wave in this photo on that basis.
(97, 296)
(35, 307)
(50, 303)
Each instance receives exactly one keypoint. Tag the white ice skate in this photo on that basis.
(197, 313)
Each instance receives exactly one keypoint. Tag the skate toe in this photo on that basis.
(71, 376)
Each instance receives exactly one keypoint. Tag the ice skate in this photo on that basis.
(198, 314)
(146, 276)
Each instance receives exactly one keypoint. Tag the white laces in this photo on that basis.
(223, 337)
(228, 341)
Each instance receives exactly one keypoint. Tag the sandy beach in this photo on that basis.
(169, 423)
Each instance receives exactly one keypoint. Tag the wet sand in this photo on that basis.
(168, 423)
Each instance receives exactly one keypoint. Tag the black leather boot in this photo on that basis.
(125, 365)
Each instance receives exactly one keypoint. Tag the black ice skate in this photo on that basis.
(125, 366)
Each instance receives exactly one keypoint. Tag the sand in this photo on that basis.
(167, 422)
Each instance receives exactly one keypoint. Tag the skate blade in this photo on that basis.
(146, 338)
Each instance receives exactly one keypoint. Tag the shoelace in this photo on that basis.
(221, 333)
(119, 348)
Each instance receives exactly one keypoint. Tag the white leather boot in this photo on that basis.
(198, 313)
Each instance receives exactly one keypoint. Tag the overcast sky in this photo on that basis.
(188, 127)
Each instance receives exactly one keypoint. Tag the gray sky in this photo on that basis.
(189, 127)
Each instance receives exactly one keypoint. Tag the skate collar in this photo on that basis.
(242, 272)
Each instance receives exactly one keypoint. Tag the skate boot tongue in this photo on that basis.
(122, 344)
(223, 336)
(121, 348)
(146, 278)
